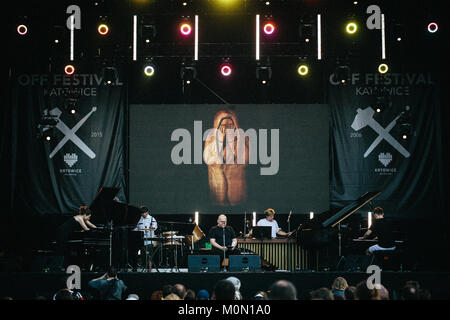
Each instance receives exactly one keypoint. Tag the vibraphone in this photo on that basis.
(281, 253)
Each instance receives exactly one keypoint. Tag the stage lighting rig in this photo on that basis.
(225, 68)
(69, 69)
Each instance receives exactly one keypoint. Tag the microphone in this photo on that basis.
(289, 217)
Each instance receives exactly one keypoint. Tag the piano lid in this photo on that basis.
(105, 208)
(348, 210)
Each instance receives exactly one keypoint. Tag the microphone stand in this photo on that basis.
(289, 242)
(224, 249)
(245, 233)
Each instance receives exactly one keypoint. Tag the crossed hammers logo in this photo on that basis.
(365, 118)
(69, 134)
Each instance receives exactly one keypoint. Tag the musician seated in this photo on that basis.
(269, 221)
(382, 230)
(223, 238)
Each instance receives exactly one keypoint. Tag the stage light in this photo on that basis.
(269, 28)
(188, 73)
(103, 29)
(109, 75)
(226, 70)
(22, 29)
(383, 68)
(303, 70)
(185, 29)
(342, 74)
(351, 28)
(380, 104)
(196, 217)
(432, 27)
(149, 70)
(311, 215)
(69, 69)
(398, 32)
(148, 32)
(254, 219)
(369, 219)
(264, 73)
(306, 31)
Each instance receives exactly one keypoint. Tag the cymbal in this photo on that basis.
(146, 229)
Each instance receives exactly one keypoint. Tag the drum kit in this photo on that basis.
(171, 243)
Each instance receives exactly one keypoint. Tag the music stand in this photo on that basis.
(262, 233)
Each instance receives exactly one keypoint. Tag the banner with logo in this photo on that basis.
(384, 136)
(68, 140)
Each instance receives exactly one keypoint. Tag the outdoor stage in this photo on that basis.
(27, 285)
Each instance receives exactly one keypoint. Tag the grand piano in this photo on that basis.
(327, 230)
(108, 244)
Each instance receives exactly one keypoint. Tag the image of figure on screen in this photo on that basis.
(226, 154)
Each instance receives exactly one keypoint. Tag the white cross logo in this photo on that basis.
(365, 118)
(69, 134)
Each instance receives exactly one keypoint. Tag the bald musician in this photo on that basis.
(223, 238)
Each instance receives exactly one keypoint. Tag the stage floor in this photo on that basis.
(27, 285)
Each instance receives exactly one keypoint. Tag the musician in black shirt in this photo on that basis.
(218, 234)
(382, 230)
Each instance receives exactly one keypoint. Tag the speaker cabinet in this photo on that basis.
(244, 263)
(203, 263)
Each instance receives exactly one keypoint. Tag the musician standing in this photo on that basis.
(218, 234)
(382, 230)
(148, 225)
(269, 221)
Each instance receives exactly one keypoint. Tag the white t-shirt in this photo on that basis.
(144, 223)
(267, 223)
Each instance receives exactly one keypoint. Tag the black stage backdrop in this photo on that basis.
(87, 149)
(367, 149)
(299, 181)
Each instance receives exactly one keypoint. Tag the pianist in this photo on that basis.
(381, 229)
(269, 221)
(79, 222)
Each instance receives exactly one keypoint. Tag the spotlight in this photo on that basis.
(110, 75)
(103, 29)
(148, 32)
(71, 105)
(264, 73)
(149, 69)
(342, 74)
(185, 29)
(188, 73)
(303, 70)
(383, 68)
(69, 69)
(226, 70)
(351, 28)
(306, 31)
(398, 32)
(432, 27)
(22, 29)
(380, 104)
(269, 28)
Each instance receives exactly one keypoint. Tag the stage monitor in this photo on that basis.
(245, 263)
(207, 263)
